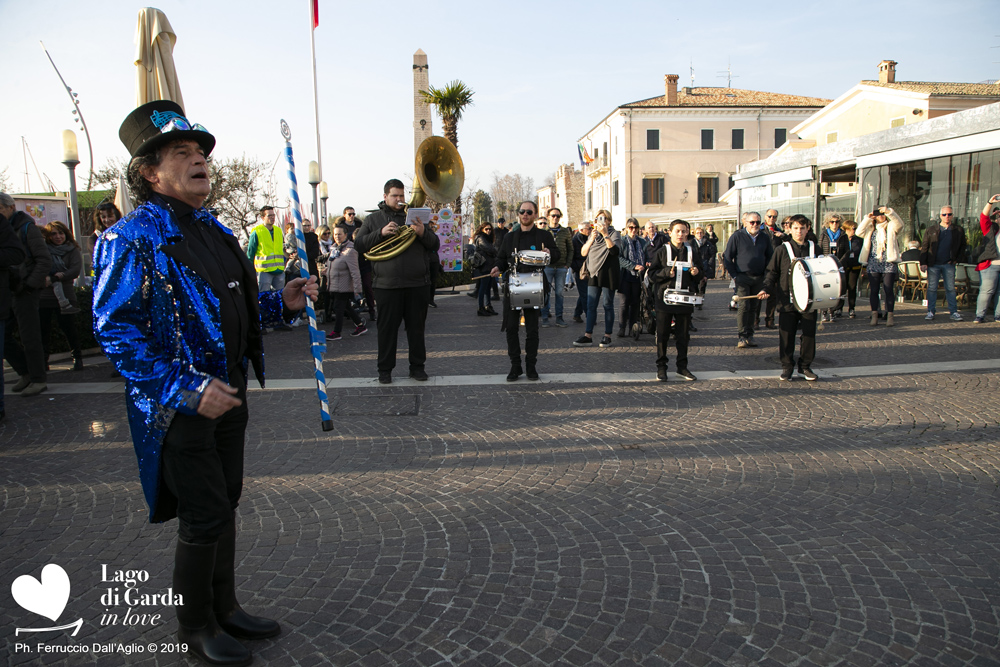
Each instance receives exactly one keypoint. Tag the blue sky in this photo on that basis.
(544, 72)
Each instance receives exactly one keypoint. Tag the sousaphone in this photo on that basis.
(440, 176)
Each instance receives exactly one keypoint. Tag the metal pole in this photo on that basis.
(77, 231)
(312, 46)
(79, 113)
(324, 214)
(315, 205)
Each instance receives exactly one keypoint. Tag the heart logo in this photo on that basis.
(47, 597)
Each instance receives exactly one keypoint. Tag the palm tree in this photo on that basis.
(450, 102)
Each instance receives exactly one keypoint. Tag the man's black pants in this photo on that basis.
(28, 357)
(747, 310)
(396, 306)
(202, 465)
(788, 323)
(530, 336)
(682, 335)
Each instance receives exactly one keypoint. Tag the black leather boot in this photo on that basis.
(193, 571)
(531, 374)
(515, 371)
(228, 612)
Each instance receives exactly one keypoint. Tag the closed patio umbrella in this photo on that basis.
(155, 76)
(122, 199)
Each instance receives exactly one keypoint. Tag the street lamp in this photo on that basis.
(324, 194)
(314, 181)
(71, 158)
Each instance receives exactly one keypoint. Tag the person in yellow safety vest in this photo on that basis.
(267, 250)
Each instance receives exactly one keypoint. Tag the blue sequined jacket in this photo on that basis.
(158, 321)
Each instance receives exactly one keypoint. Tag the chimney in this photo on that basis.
(671, 89)
(887, 71)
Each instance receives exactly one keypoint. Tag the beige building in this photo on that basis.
(872, 106)
(831, 166)
(679, 151)
(566, 194)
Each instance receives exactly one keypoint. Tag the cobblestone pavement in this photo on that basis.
(853, 521)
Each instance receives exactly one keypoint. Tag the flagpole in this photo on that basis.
(313, 23)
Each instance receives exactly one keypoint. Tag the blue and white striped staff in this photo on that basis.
(317, 339)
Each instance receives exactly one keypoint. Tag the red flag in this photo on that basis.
(314, 9)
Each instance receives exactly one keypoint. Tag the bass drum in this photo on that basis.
(816, 283)
(526, 290)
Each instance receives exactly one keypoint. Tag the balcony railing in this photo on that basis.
(597, 167)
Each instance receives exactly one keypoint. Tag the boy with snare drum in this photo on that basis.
(778, 280)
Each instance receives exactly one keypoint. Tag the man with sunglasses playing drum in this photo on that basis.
(177, 311)
(525, 236)
(778, 281)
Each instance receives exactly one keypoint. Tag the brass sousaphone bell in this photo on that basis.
(440, 176)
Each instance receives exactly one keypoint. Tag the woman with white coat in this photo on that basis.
(880, 251)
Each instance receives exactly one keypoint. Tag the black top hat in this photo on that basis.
(142, 132)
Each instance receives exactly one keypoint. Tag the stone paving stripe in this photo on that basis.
(567, 378)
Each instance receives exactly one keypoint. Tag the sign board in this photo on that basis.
(44, 210)
(449, 231)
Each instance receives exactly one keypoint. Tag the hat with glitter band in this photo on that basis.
(158, 123)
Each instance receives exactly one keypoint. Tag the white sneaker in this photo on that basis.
(929, 316)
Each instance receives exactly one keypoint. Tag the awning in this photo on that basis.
(704, 216)
(790, 176)
(972, 143)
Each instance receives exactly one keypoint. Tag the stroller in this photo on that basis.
(647, 311)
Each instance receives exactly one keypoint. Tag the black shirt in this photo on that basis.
(533, 239)
(222, 266)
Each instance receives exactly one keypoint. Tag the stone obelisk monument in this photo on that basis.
(421, 110)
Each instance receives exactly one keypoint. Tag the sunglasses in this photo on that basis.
(947, 215)
(754, 222)
(524, 212)
(771, 217)
(554, 215)
(180, 123)
(632, 227)
(350, 215)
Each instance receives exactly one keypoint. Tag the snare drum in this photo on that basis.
(526, 290)
(532, 257)
(673, 297)
(815, 283)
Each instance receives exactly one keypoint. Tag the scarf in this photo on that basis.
(881, 234)
(58, 252)
(833, 237)
(325, 245)
(635, 254)
(599, 252)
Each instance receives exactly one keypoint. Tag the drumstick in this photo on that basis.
(744, 298)
(480, 277)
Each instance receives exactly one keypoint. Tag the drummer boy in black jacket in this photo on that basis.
(777, 280)
(664, 276)
(526, 236)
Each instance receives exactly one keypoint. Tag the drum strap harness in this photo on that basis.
(792, 258)
(679, 263)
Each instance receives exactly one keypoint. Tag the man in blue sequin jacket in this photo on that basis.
(176, 309)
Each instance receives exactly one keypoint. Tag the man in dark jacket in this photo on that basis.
(746, 257)
(943, 247)
(779, 281)
(28, 281)
(400, 284)
(11, 254)
(555, 272)
(524, 237)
